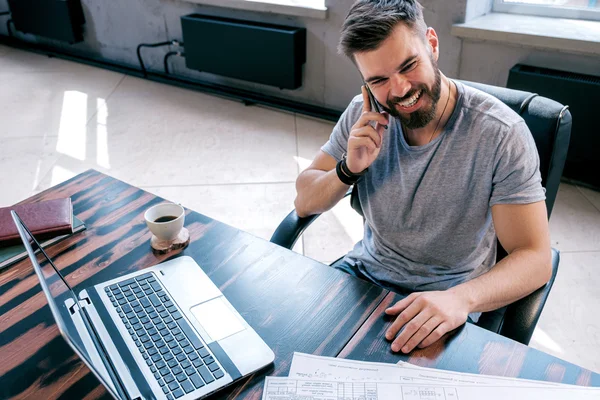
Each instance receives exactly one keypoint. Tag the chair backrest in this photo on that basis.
(550, 125)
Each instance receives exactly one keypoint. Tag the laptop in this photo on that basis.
(165, 332)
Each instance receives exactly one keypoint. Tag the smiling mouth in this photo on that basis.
(412, 100)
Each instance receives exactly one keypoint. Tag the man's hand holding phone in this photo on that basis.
(365, 139)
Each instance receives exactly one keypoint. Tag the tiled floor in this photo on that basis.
(236, 164)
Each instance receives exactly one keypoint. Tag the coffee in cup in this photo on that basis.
(165, 220)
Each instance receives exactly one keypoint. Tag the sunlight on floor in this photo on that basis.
(36, 179)
(72, 130)
(101, 134)
(345, 215)
(60, 174)
(350, 220)
(544, 341)
(303, 163)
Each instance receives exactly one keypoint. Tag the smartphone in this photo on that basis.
(374, 103)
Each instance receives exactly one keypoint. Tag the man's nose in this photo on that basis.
(400, 86)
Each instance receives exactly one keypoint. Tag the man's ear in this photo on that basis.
(433, 43)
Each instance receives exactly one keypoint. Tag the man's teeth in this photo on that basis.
(411, 102)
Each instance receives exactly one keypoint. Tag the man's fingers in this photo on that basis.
(363, 141)
(368, 131)
(405, 316)
(411, 327)
(436, 335)
(367, 117)
(401, 305)
(425, 330)
(366, 100)
(379, 127)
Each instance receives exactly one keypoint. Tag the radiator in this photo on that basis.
(55, 19)
(582, 94)
(251, 51)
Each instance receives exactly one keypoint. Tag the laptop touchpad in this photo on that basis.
(217, 319)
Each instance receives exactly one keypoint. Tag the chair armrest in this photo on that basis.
(290, 229)
(522, 316)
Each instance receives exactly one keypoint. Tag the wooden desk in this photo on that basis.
(294, 303)
(470, 349)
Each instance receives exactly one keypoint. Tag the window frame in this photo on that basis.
(547, 11)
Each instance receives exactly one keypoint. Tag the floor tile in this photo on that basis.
(24, 62)
(575, 222)
(4, 50)
(592, 195)
(334, 233)
(38, 104)
(569, 327)
(312, 134)
(159, 135)
(23, 163)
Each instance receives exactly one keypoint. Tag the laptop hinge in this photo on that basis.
(82, 303)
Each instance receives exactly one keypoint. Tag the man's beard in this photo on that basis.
(421, 117)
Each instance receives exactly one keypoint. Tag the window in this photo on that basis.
(575, 9)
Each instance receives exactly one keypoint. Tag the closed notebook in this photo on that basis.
(15, 253)
(44, 219)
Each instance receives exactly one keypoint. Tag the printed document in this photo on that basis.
(281, 388)
(328, 378)
(307, 366)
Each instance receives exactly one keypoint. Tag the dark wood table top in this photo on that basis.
(469, 349)
(293, 302)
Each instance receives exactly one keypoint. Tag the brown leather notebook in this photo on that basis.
(44, 219)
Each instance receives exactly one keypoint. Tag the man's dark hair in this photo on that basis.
(370, 22)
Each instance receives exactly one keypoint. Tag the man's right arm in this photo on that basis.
(318, 187)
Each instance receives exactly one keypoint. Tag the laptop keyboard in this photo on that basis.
(179, 360)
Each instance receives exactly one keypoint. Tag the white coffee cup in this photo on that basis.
(173, 216)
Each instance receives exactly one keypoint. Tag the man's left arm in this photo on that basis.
(523, 232)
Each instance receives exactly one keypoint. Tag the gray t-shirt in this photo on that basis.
(428, 220)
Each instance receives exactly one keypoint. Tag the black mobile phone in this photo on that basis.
(374, 103)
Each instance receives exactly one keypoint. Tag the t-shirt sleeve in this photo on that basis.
(517, 178)
(338, 141)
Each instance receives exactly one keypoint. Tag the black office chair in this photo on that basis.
(550, 124)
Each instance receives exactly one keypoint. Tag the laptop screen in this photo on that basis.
(59, 294)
